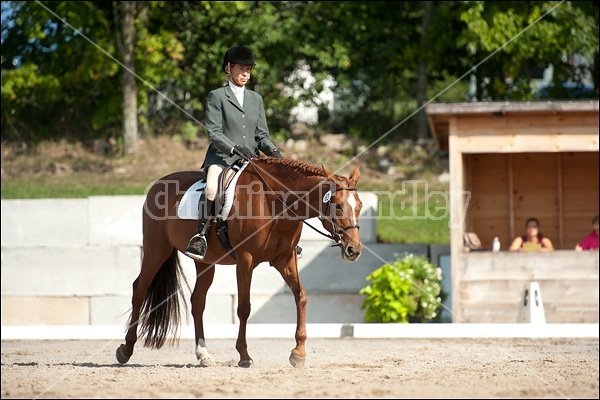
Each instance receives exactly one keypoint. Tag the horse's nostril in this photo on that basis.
(350, 251)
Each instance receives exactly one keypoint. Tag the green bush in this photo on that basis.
(187, 131)
(409, 290)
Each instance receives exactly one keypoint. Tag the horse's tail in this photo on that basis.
(160, 313)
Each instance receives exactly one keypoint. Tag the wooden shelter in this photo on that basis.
(510, 161)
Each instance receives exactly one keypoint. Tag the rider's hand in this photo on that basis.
(276, 153)
(243, 152)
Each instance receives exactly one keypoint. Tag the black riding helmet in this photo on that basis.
(238, 54)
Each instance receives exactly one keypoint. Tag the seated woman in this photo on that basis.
(590, 242)
(533, 240)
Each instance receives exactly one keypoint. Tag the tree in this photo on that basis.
(422, 72)
(386, 59)
(65, 82)
(128, 79)
(516, 38)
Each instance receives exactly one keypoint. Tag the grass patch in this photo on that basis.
(411, 210)
(408, 216)
(414, 213)
(41, 188)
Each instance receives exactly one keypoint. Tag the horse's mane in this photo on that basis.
(301, 168)
(297, 165)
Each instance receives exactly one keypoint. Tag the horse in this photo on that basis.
(272, 198)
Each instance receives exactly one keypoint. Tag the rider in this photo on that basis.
(237, 128)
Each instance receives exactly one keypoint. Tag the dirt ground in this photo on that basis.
(335, 368)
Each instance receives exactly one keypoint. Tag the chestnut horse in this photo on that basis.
(271, 200)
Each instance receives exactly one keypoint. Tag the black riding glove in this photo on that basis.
(276, 153)
(243, 152)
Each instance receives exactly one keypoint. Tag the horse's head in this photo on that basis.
(341, 219)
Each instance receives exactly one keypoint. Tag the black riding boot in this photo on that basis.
(197, 245)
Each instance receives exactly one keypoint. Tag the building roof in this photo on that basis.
(440, 114)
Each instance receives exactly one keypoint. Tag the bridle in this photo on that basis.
(337, 229)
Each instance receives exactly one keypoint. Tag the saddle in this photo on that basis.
(190, 202)
(188, 205)
(222, 207)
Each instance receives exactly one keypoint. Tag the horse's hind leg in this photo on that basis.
(125, 351)
(151, 263)
(289, 272)
(204, 278)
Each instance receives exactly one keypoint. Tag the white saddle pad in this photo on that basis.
(188, 206)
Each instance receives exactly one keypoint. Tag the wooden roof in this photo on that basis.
(440, 114)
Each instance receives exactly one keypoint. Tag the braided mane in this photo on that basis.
(297, 165)
(299, 168)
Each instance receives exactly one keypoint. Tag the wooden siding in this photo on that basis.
(559, 189)
(580, 175)
(512, 161)
(527, 133)
(489, 211)
(492, 285)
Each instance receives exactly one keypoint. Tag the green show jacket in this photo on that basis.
(228, 124)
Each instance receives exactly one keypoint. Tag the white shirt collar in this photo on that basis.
(239, 93)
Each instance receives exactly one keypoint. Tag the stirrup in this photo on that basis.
(197, 249)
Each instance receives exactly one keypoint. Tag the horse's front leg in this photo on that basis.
(204, 278)
(289, 272)
(244, 280)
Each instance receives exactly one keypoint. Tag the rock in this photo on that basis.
(444, 177)
(336, 142)
(383, 164)
(382, 151)
(300, 146)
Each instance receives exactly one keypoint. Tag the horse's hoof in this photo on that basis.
(297, 361)
(207, 362)
(246, 363)
(121, 358)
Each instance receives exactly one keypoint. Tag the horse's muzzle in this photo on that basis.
(351, 253)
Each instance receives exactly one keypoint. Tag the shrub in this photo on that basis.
(409, 290)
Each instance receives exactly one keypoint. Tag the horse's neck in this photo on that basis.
(300, 185)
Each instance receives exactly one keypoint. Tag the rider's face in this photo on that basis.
(240, 73)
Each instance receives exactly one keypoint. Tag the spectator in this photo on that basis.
(590, 242)
(533, 240)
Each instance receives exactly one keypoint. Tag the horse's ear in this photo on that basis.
(327, 172)
(355, 175)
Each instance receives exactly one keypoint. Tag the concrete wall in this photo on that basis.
(73, 261)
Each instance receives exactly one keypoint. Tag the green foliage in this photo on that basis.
(524, 36)
(187, 131)
(65, 85)
(409, 290)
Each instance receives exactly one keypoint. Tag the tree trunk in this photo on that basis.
(128, 80)
(421, 122)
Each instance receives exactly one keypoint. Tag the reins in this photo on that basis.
(336, 237)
